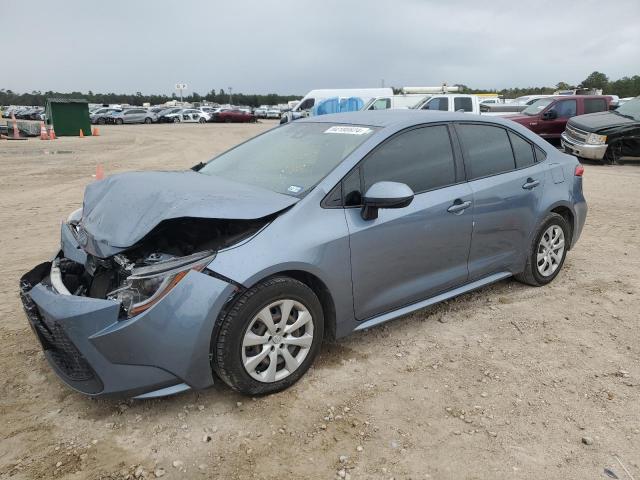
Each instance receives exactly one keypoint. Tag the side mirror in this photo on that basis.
(385, 195)
(550, 115)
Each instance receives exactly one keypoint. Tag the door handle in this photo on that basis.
(459, 206)
(531, 184)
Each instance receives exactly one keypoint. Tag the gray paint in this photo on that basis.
(374, 270)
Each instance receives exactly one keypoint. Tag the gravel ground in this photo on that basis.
(507, 382)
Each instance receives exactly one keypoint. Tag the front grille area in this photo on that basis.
(575, 134)
(57, 344)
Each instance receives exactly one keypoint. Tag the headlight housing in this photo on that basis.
(595, 139)
(75, 216)
(146, 285)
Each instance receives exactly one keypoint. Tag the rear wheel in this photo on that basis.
(176, 119)
(202, 120)
(547, 252)
(147, 120)
(101, 121)
(119, 121)
(269, 338)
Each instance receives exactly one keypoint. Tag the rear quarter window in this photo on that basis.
(522, 151)
(487, 150)
(592, 105)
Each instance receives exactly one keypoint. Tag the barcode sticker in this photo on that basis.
(348, 130)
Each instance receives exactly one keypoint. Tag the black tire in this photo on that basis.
(176, 119)
(202, 120)
(147, 120)
(101, 121)
(228, 336)
(119, 121)
(228, 120)
(531, 275)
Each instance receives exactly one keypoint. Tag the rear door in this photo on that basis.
(412, 253)
(507, 185)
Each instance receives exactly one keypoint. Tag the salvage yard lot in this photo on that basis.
(505, 382)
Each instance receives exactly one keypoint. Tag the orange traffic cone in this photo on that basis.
(52, 133)
(95, 132)
(81, 134)
(43, 132)
(99, 172)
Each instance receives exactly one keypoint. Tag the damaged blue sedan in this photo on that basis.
(237, 269)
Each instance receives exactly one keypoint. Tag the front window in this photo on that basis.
(535, 108)
(630, 109)
(291, 159)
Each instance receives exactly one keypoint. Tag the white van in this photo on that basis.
(456, 102)
(393, 101)
(312, 98)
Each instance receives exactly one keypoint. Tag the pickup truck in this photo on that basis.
(548, 116)
(605, 136)
(447, 102)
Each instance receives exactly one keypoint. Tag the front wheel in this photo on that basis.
(269, 338)
(147, 120)
(119, 121)
(547, 252)
(202, 120)
(176, 119)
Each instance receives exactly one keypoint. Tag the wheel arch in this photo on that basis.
(311, 280)
(565, 211)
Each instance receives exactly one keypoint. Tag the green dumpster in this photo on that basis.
(68, 116)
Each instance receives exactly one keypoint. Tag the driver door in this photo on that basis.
(564, 110)
(412, 253)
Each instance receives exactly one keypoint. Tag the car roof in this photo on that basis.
(400, 117)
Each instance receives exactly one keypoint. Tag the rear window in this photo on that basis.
(592, 105)
(463, 103)
(487, 150)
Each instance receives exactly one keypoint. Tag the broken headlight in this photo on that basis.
(146, 285)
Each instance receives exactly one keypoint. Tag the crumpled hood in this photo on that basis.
(120, 210)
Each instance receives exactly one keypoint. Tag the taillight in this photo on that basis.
(579, 171)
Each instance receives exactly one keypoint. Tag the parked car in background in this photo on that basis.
(169, 281)
(187, 115)
(132, 115)
(261, 112)
(163, 114)
(607, 136)
(233, 116)
(100, 115)
(450, 102)
(274, 113)
(548, 116)
(393, 101)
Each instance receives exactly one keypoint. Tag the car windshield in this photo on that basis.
(538, 106)
(630, 109)
(290, 159)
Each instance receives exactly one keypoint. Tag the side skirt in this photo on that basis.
(385, 317)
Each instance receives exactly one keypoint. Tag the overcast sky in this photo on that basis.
(292, 46)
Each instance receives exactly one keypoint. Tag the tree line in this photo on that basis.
(38, 98)
(623, 87)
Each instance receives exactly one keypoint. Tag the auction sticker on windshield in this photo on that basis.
(348, 130)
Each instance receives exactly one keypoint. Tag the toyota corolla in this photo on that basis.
(238, 268)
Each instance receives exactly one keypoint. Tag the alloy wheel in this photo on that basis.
(550, 250)
(277, 340)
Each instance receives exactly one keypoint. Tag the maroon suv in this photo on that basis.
(548, 116)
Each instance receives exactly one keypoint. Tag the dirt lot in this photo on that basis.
(501, 383)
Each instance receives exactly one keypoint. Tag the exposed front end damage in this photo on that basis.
(139, 322)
